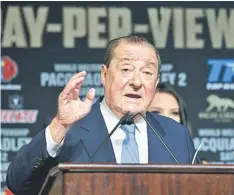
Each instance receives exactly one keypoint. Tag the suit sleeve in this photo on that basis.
(28, 170)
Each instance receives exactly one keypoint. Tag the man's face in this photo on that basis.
(131, 78)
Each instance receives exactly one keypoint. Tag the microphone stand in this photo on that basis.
(155, 132)
(122, 120)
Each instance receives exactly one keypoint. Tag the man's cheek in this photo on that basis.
(150, 90)
(149, 95)
(122, 85)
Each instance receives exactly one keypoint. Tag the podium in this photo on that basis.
(112, 179)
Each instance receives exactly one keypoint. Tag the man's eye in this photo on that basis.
(148, 73)
(125, 70)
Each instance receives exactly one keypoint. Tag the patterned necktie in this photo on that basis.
(130, 153)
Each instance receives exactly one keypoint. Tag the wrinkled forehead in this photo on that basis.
(126, 51)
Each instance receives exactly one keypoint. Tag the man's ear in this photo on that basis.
(103, 74)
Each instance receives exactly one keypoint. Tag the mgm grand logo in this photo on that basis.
(218, 109)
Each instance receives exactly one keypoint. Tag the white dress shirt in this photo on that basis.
(117, 137)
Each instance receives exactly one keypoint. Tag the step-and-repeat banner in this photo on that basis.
(43, 44)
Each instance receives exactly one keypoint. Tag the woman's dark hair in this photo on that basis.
(167, 88)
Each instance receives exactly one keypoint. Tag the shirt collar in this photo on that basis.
(111, 119)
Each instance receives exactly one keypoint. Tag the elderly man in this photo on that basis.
(130, 74)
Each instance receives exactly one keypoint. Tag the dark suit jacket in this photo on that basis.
(32, 163)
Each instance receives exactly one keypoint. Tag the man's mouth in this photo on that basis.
(136, 96)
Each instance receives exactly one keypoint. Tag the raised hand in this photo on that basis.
(70, 107)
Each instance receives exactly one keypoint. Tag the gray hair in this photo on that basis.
(130, 39)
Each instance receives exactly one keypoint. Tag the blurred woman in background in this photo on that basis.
(167, 102)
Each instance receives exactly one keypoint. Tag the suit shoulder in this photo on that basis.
(168, 123)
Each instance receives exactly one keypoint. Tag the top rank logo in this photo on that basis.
(221, 74)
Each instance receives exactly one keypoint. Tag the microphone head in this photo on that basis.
(128, 119)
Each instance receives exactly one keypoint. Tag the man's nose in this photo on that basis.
(136, 81)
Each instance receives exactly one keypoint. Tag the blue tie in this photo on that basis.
(130, 153)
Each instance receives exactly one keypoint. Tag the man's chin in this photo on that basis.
(133, 111)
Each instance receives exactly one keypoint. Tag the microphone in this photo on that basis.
(126, 119)
(195, 155)
(155, 132)
(129, 119)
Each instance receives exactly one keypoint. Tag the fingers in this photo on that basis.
(90, 97)
(74, 83)
(75, 94)
(80, 74)
(71, 87)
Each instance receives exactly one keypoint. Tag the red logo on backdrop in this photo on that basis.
(9, 69)
(19, 116)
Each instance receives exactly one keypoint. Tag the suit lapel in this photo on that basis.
(94, 123)
(157, 152)
(96, 131)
